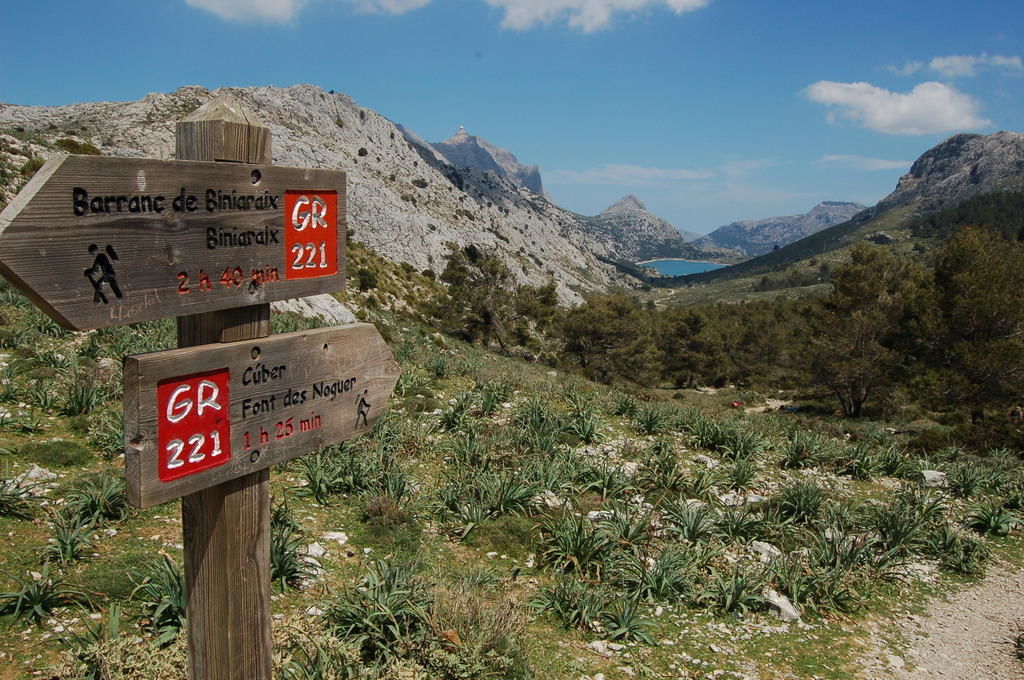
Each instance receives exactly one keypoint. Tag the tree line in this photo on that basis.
(948, 337)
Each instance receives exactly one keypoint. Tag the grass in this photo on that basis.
(577, 493)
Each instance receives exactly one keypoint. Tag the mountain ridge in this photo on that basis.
(404, 202)
(634, 234)
(958, 168)
(756, 237)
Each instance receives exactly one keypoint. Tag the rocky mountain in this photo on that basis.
(404, 201)
(756, 237)
(959, 168)
(632, 234)
(464, 150)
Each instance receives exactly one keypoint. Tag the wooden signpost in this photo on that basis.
(97, 241)
(200, 416)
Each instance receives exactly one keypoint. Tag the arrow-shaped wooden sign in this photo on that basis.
(99, 241)
(199, 416)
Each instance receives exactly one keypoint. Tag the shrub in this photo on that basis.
(573, 544)
(74, 146)
(738, 591)
(287, 566)
(420, 182)
(990, 518)
(31, 166)
(690, 521)
(366, 278)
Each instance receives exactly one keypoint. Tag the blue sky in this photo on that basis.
(709, 111)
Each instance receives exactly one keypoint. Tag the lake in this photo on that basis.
(680, 267)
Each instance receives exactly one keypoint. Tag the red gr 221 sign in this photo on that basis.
(194, 424)
(311, 234)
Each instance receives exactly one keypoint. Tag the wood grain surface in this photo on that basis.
(290, 395)
(99, 241)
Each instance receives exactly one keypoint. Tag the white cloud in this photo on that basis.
(863, 163)
(625, 175)
(957, 65)
(908, 69)
(251, 10)
(388, 6)
(927, 109)
(1009, 63)
(286, 10)
(962, 65)
(586, 15)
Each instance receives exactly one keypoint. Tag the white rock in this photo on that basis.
(313, 610)
(780, 606)
(324, 307)
(548, 499)
(931, 478)
(340, 537)
(706, 461)
(315, 550)
(765, 551)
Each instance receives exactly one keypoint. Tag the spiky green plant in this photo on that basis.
(70, 537)
(572, 544)
(622, 621)
(386, 613)
(98, 499)
(35, 597)
(990, 517)
(160, 589)
(801, 500)
(736, 591)
(693, 522)
(15, 499)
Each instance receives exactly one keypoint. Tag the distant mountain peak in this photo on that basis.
(465, 150)
(625, 204)
(756, 237)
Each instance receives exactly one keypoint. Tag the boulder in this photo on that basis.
(324, 307)
(931, 478)
(780, 607)
(766, 552)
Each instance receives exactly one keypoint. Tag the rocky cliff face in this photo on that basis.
(756, 237)
(469, 151)
(634, 235)
(959, 168)
(405, 202)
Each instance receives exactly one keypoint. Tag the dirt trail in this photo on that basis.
(970, 636)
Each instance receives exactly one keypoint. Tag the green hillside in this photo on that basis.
(505, 519)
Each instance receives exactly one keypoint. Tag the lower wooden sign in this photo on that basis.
(199, 416)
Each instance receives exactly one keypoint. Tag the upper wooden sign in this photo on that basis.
(99, 241)
(199, 416)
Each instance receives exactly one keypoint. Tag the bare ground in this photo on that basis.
(969, 636)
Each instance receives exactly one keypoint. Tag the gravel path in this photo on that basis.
(968, 637)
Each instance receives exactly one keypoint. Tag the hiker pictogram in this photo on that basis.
(102, 272)
(362, 408)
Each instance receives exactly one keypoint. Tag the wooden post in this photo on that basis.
(227, 527)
